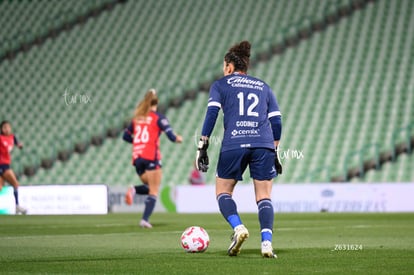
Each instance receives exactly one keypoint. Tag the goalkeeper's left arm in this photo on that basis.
(276, 123)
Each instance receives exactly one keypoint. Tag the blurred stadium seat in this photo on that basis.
(24, 22)
(399, 171)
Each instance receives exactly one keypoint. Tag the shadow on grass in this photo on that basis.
(249, 253)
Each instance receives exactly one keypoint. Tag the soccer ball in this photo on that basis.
(195, 239)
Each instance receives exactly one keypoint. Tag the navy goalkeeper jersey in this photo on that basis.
(247, 103)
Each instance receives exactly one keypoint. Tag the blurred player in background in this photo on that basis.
(7, 142)
(252, 130)
(144, 133)
(196, 177)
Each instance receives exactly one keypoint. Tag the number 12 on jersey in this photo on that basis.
(251, 97)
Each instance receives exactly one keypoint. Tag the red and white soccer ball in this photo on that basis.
(195, 239)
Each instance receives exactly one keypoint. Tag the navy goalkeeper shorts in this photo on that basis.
(261, 162)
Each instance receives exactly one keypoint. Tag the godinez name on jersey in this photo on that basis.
(247, 105)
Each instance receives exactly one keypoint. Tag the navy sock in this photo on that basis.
(142, 189)
(228, 209)
(266, 218)
(16, 195)
(149, 207)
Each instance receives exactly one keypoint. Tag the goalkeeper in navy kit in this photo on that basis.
(252, 130)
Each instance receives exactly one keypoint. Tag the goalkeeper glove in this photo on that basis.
(278, 164)
(202, 158)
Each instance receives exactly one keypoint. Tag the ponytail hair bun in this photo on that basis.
(239, 55)
(242, 49)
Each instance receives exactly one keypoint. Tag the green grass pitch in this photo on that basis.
(325, 243)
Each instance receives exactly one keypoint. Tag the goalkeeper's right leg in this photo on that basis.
(239, 236)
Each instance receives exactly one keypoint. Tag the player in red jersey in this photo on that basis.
(144, 132)
(7, 142)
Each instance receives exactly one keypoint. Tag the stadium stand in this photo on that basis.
(399, 171)
(345, 89)
(31, 23)
(340, 69)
